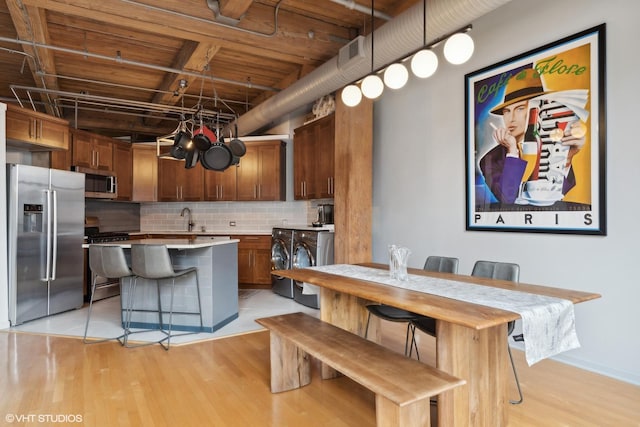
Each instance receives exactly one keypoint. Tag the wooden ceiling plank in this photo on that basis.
(291, 44)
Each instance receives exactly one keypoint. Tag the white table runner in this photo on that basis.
(548, 323)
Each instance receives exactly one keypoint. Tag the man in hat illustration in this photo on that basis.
(502, 167)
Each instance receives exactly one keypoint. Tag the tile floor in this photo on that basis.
(105, 321)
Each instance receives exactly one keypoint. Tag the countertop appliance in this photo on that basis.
(311, 248)
(45, 235)
(281, 259)
(325, 215)
(105, 287)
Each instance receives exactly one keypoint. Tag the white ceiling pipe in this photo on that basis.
(350, 4)
(393, 40)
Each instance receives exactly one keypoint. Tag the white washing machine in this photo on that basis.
(310, 248)
(281, 259)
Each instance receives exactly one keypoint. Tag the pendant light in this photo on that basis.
(458, 48)
(351, 95)
(425, 62)
(396, 76)
(372, 85)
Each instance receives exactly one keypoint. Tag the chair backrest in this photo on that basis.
(108, 262)
(496, 270)
(151, 261)
(441, 264)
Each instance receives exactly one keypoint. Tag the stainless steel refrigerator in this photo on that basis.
(45, 235)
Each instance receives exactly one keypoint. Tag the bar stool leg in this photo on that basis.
(121, 339)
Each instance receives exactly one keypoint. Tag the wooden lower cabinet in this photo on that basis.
(254, 261)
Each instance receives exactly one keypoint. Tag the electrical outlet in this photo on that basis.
(232, 223)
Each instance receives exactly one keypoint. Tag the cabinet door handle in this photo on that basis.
(39, 129)
(255, 191)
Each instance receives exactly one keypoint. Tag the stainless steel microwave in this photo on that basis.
(98, 184)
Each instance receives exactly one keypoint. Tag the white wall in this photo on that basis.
(419, 177)
(4, 272)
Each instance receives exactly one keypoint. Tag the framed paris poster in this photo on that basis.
(535, 140)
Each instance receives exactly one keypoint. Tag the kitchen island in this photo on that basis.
(217, 262)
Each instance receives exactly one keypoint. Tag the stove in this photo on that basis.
(105, 237)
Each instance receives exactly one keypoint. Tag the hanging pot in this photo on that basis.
(203, 137)
(191, 159)
(237, 147)
(218, 157)
(181, 145)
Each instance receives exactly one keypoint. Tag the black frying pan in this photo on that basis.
(218, 157)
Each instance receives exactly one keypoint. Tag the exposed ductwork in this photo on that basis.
(393, 40)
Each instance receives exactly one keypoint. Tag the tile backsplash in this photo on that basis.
(217, 216)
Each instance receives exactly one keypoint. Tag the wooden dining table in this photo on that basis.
(471, 338)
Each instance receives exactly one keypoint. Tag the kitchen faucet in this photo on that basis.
(190, 224)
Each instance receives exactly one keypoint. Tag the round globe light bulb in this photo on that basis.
(424, 63)
(396, 76)
(372, 86)
(351, 95)
(458, 48)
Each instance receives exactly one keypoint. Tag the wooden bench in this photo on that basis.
(402, 385)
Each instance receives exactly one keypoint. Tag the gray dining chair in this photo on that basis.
(108, 262)
(492, 270)
(153, 262)
(393, 314)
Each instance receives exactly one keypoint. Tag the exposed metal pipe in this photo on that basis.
(394, 40)
(121, 60)
(228, 21)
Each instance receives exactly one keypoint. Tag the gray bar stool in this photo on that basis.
(108, 262)
(153, 262)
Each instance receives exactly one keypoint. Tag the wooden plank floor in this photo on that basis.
(226, 383)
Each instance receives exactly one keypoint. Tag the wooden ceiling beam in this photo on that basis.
(291, 43)
(193, 57)
(234, 8)
(31, 24)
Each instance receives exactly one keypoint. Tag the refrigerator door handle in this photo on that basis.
(54, 255)
(47, 270)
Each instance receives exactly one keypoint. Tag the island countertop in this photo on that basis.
(198, 242)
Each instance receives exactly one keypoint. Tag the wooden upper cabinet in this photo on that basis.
(123, 169)
(261, 172)
(144, 173)
(304, 164)
(220, 185)
(313, 159)
(40, 132)
(175, 183)
(92, 151)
